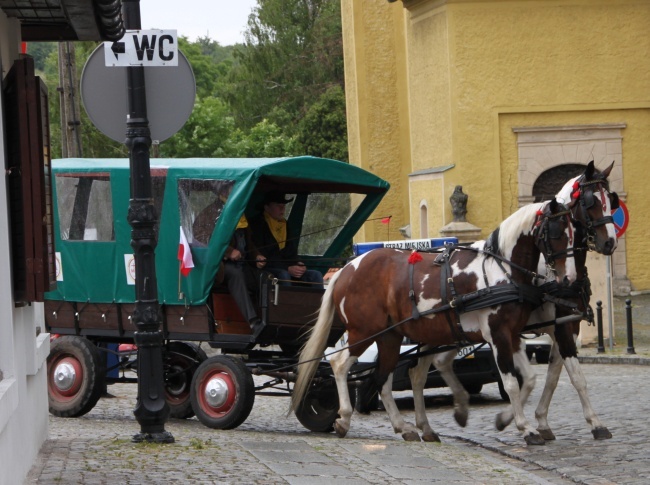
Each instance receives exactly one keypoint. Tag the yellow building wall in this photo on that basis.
(377, 106)
(475, 69)
(424, 190)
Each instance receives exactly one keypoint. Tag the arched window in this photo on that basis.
(552, 180)
(424, 224)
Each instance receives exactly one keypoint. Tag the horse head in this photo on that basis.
(554, 234)
(591, 205)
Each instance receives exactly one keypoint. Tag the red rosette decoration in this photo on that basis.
(415, 257)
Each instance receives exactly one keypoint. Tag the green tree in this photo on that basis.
(207, 132)
(323, 130)
(207, 72)
(265, 139)
(40, 52)
(292, 55)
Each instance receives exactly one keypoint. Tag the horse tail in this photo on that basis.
(315, 345)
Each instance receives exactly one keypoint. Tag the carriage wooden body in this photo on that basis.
(91, 308)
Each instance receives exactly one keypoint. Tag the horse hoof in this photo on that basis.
(411, 436)
(431, 437)
(500, 423)
(601, 433)
(534, 439)
(340, 430)
(461, 418)
(547, 434)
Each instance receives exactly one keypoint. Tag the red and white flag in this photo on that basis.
(185, 255)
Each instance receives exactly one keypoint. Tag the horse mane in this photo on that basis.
(565, 193)
(506, 235)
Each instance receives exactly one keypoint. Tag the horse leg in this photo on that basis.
(565, 351)
(518, 368)
(418, 376)
(552, 378)
(387, 357)
(598, 429)
(341, 364)
(408, 431)
(444, 362)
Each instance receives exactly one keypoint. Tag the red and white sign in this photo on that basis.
(621, 219)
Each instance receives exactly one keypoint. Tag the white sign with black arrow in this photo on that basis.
(143, 48)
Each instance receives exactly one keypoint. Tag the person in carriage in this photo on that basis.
(241, 258)
(279, 245)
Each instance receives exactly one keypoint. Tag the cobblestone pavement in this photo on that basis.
(272, 448)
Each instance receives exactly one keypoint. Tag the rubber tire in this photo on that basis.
(90, 376)
(241, 392)
(474, 388)
(502, 391)
(320, 407)
(180, 361)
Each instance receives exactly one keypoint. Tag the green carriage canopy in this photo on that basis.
(92, 236)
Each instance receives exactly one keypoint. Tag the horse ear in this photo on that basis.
(605, 173)
(553, 206)
(589, 172)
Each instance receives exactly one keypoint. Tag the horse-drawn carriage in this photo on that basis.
(483, 292)
(90, 309)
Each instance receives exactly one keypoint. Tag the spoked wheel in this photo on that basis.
(75, 376)
(181, 359)
(222, 392)
(320, 407)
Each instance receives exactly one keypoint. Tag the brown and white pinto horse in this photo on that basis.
(376, 295)
(591, 204)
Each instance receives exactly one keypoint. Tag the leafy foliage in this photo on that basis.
(293, 54)
(40, 52)
(278, 94)
(323, 130)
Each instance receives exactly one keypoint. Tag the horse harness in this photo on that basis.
(454, 305)
(584, 193)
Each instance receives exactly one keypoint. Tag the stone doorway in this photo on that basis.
(549, 156)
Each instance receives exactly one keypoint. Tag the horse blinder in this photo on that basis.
(552, 226)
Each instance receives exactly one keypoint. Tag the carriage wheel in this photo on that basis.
(222, 392)
(181, 360)
(320, 407)
(75, 376)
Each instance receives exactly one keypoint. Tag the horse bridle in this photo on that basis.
(585, 198)
(550, 226)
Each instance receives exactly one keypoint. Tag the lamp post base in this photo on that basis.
(162, 437)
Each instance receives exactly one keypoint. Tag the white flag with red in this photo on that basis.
(185, 255)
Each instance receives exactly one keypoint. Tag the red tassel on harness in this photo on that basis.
(576, 190)
(415, 257)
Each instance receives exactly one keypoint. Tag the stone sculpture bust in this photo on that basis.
(458, 204)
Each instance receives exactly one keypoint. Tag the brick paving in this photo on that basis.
(272, 448)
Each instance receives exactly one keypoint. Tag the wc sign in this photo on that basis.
(143, 48)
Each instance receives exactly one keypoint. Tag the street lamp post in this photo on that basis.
(151, 410)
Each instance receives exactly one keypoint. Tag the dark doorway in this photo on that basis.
(552, 180)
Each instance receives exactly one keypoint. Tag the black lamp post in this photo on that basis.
(151, 409)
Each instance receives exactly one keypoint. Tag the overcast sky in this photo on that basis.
(221, 20)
